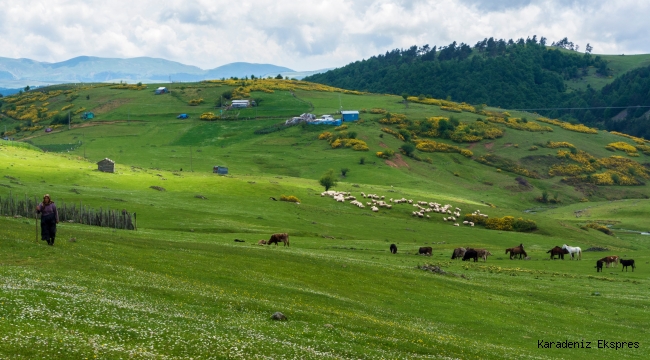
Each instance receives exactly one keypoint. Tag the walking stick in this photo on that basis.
(36, 226)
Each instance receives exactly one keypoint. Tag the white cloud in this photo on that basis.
(305, 35)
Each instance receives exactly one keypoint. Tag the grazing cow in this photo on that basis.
(627, 263)
(470, 254)
(425, 250)
(458, 253)
(393, 249)
(276, 238)
(261, 242)
(518, 250)
(599, 266)
(609, 260)
(483, 254)
(558, 251)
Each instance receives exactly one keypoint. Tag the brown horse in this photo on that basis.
(483, 254)
(558, 251)
(518, 250)
(276, 238)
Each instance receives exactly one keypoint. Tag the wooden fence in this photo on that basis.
(77, 213)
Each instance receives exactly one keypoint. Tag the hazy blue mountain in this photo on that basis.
(17, 73)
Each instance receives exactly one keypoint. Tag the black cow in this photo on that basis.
(393, 249)
(599, 266)
(470, 254)
(425, 250)
(627, 263)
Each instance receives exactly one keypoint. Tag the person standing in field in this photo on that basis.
(49, 219)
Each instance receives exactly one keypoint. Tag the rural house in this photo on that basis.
(106, 165)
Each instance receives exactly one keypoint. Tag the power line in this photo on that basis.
(585, 108)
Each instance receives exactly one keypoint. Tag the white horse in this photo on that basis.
(573, 250)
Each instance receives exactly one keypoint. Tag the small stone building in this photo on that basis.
(106, 165)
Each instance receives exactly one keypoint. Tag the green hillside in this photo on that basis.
(180, 287)
(617, 64)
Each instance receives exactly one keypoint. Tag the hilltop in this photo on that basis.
(181, 286)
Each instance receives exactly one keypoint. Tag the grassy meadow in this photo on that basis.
(181, 287)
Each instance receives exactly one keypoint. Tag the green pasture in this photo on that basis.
(180, 287)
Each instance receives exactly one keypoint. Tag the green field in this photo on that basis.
(180, 287)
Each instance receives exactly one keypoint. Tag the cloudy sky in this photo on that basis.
(306, 34)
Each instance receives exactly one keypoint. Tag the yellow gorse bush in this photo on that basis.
(393, 132)
(559, 144)
(637, 140)
(518, 124)
(65, 107)
(289, 198)
(571, 127)
(195, 102)
(623, 146)
(433, 146)
(208, 116)
(244, 87)
(129, 87)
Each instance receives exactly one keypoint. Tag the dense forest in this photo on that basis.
(623, 105)
(520, 74)
(512, 74)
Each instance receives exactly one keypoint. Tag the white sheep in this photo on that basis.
(456, 225)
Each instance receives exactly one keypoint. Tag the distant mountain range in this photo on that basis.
(18, 73)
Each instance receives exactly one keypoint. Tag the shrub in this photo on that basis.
(433, 146)
(571, 127)
(328, 180)
(524, 225)
(533, 148)
(386, 154)
(342, 127)
(504, 224)
(362, 160)
(289, 198)
(408, 148)
(195, 102)
(208, 116)
(344, 171)
(623, 146)
(601, 228)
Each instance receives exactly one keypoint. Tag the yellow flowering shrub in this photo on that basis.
(570, 170)
(433, 146)
(624, 166)
(65, 107)
(208, 116)
(393, 132)
(571, 127)
(452, 109)
(623, 146)
(519, 124)
(506, 164)
(393, 118)
(195, 102)
(386, 154)
(270, 85)
(378, 111)
(503, 224)
(79, 111)
(342, 127)
(637, 140)
(325, 136)
(289, 198)
(558, 144)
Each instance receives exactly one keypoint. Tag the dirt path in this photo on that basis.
(397, 162)
(79, 126)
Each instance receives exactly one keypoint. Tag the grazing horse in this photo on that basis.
(470, 254)
(518, 250)
(558, 251)
(599, 266)
(483, 254)
(458, 253)
(276, 238)
(393, 249)
(610, 260)
(573, 250)
(627, 263)
(425, 250)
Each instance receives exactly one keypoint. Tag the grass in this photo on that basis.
(180, 287)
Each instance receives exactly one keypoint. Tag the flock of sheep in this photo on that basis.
(423, 207)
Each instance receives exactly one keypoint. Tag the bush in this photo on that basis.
(386, 154)
(408, 148)
(524, 225)
(289, 198)
(328, 180)
(504, 224)
(601, 228)
(344, 171)
(362, 161)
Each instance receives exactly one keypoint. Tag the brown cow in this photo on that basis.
(483, 254)
(425, 250)
(276, 238)
(610, 260)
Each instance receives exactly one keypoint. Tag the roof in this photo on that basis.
(162, 88)
(349, 112)
(240, 101)
(106, 160)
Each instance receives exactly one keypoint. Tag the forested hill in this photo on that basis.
(623, 105)
(510, 74)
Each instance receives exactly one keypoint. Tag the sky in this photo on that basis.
(306, 34)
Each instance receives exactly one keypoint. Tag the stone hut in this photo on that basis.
(106, 165)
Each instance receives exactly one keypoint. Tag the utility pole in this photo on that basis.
(191, 169)
(68, 120)
(340, 104)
